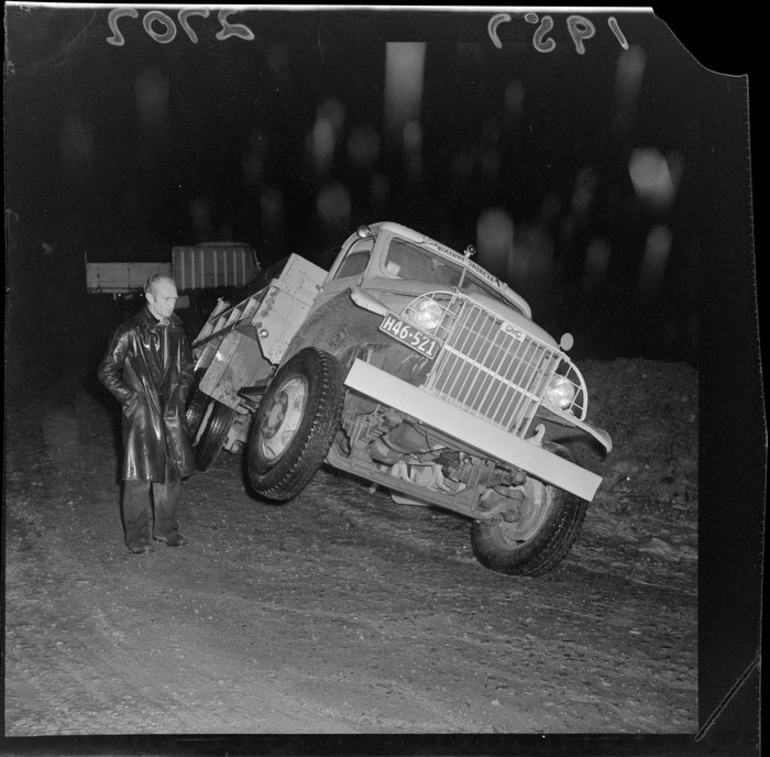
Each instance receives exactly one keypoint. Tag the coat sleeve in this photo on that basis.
(110, 371)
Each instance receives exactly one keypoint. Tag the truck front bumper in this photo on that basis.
(471, 431)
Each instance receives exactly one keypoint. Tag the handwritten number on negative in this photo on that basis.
(161, 27)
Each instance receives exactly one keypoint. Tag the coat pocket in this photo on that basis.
(129, 405)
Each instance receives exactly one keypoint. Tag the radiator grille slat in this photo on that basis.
(493, 368)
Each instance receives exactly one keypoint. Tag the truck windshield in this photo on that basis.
(409, 262)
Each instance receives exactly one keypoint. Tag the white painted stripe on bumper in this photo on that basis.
(470, 430)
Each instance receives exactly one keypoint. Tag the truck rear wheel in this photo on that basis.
(196, 407)
(550, 520)
(212, 434)
(295, 424)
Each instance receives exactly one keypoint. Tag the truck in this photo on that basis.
(410, 366)
(202, 272)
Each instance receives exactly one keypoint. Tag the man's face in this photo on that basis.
(162, 298)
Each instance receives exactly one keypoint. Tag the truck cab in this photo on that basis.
(410, 366)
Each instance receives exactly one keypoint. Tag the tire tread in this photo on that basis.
(210, 445)
(557, 537)
(285, 481)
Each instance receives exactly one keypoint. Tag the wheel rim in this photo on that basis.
(282, 419)
(529, 515)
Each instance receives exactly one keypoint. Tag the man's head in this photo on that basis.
(160, 292)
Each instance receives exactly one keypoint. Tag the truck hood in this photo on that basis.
(394, 293)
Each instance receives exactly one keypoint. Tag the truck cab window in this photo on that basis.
(356, 260)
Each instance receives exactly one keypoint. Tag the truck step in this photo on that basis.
(251, 396)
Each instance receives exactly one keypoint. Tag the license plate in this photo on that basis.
(410, 335)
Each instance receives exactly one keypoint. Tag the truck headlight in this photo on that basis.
(425, 314)
(560, 392)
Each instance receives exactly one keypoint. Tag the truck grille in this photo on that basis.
(493, 368)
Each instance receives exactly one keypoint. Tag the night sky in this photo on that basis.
(582, 179)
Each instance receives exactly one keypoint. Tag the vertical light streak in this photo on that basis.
(404, 75)
(654, 262)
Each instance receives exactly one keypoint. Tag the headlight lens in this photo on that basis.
(560, 392)
(426, 314)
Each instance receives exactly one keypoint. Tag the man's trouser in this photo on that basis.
(138, 500)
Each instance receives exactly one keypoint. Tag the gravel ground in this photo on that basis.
(340, 612)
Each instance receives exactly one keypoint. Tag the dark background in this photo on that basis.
(121, 152)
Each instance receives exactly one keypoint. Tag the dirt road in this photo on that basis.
(340, 612)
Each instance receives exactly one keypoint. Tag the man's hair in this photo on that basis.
(149, 285)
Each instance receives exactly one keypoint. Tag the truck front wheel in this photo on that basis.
(534, 540)
(295, 424)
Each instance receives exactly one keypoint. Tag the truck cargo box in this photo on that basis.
(213, 265)
(121, 278)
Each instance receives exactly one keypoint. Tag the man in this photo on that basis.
(148, 368)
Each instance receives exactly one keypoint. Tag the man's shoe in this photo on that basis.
(140, 549)
(172, 541)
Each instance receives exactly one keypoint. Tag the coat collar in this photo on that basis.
(150, 321)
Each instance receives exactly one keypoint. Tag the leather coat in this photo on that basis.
(149, 369)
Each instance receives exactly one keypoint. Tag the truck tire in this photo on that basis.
(213, 434)
(196, 410)
(538, 543)
(295, 424)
